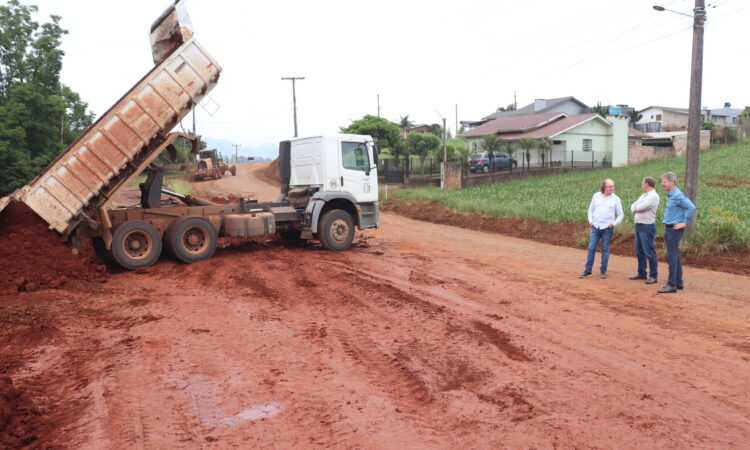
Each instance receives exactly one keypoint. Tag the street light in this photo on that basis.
(692, 157)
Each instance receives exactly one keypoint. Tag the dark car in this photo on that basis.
(481, 162)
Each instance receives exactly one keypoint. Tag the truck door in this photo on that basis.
(357, 174)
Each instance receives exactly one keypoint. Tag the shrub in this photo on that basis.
(718, 232)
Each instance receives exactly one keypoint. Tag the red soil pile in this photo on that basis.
(225, 200)
(270, 174)
(33, 257)
(18, 416)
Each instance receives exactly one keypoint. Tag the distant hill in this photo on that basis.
(225, 147)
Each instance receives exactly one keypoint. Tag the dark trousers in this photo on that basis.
(645, 249)
(596, 236)
(672, 238)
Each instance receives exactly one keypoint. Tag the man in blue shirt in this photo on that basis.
(678, 214)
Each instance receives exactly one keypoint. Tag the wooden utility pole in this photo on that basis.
(378, 105)
(294, 99)
(692, 159)
(236, 156)
(455, 132)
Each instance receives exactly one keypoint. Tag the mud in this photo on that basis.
(421, 336)
(34, 257)
(567, 234)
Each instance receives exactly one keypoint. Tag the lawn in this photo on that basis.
(724, 192)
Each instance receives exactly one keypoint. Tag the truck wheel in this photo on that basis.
(233, 169)
(190, 239)
(336, 230)
(136, 244)
(292, 238)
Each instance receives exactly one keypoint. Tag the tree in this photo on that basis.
(544, 145)
(386, 133)
(600, 109)
(635, 117)
(527, 144)
(511, 107)
(437, 130)
(422, 144)
(38, 115)
(405, 124)
(492, 143)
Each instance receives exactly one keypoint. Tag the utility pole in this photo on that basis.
(294, 99)
(445, 138)
(378, 105)
(236, 156)
(692, 159)
(455, 132)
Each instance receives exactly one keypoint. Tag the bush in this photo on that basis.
(719, 232)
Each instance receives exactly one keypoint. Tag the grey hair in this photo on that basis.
(670, 176)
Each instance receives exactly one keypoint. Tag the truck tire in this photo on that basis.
(190, 239)
(336, 230)
(233, 169)
(292, 238)
(136, 244)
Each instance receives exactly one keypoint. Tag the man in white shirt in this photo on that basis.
(605, 213)
(645, 231)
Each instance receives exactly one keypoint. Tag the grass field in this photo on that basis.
(724, 192)
(174, 178)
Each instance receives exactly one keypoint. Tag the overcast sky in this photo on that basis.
(421, 57)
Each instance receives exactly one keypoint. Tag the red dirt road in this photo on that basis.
(420, 336)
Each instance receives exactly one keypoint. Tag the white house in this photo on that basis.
(575, 140)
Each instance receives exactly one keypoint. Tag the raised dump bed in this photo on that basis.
(111, 149)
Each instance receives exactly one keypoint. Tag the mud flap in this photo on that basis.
(314, 208)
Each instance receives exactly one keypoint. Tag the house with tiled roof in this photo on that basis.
(568, 105)
(575, 140)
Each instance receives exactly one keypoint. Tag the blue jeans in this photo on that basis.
(597, 235)
(645, 249)
(672, 237)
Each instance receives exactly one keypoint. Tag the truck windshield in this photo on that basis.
(354, 156)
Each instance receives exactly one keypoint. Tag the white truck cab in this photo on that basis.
(326, 173)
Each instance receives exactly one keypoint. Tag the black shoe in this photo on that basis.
(680, 287)
(603, 275)
(584, 274)
(651, 281)
(667, 289)
(637, 277)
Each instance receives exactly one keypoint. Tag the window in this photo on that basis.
(587, 145)
(354, 156)
(658, 117)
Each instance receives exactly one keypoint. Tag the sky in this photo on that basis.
(424, 59)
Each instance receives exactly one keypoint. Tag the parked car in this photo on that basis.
(481, 162)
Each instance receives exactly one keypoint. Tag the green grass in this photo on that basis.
(174, 178)
(566, 197)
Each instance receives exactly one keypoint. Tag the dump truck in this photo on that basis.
(328, 182)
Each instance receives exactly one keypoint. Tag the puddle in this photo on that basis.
(204, 391)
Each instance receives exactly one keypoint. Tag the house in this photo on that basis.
(662, 118)
(726, 116)
(568, 105)
(575, 140)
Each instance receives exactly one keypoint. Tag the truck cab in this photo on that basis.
(330, 172)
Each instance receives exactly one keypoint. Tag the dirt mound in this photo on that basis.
(270, 174)
(231, 198)
(32, 257)
(17, 416)
(567, 234)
